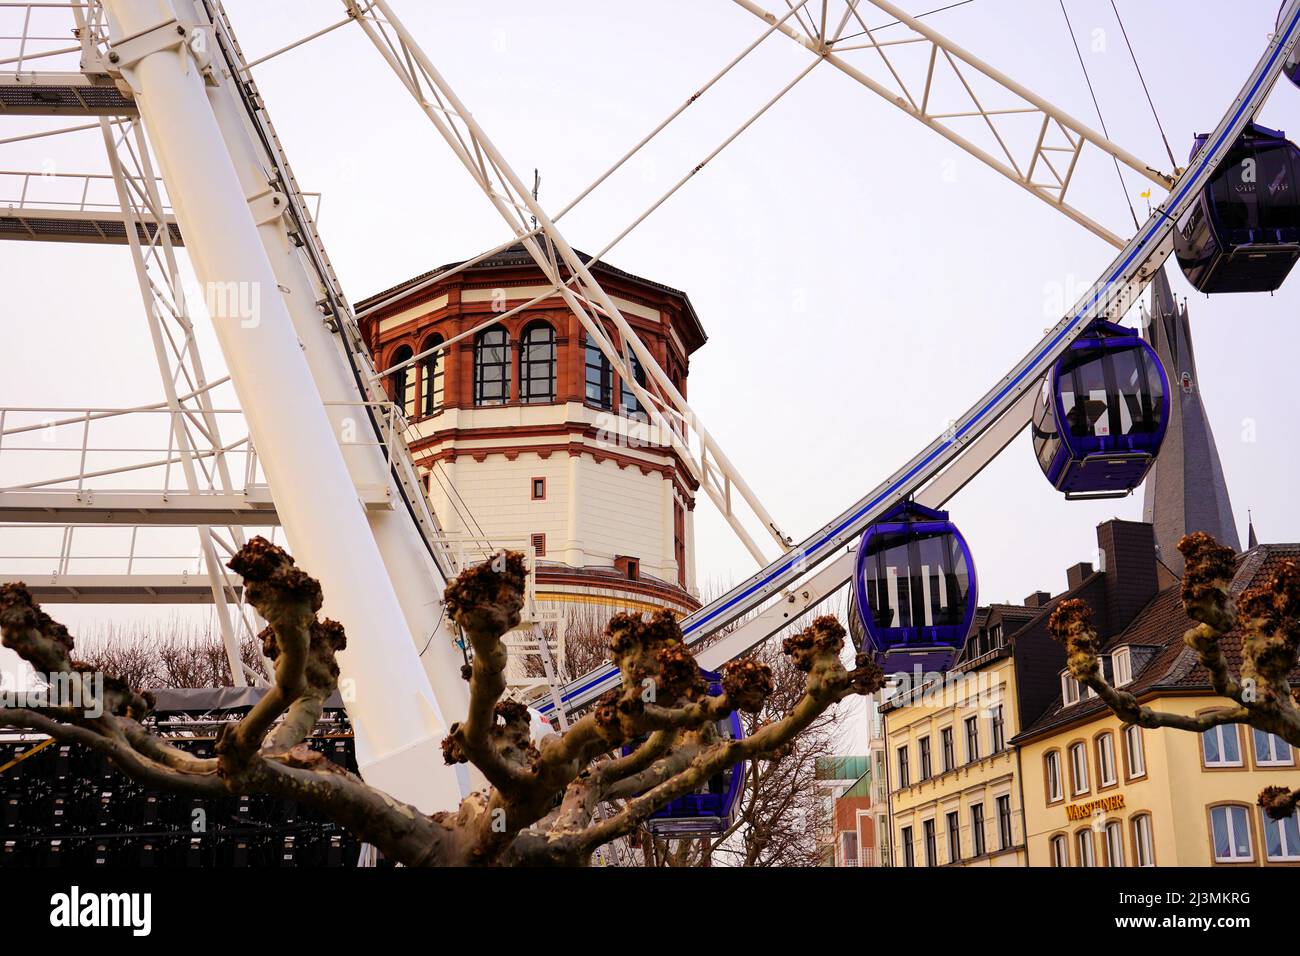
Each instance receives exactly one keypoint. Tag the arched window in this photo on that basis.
(401, 384)
(631, 406)
(492, 367)
(432, 377)
(600, 377)
(537, 364)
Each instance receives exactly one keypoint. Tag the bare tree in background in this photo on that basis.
(1266, 623)
(541, 805)
(184, 655)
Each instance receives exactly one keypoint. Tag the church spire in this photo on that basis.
(1185, 489)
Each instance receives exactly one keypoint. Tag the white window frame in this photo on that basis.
(1069, 690)
(1085, 847)
(978, 830)
(1271, 759)
(1114, 834)
(997, 729)
(1106, 760)
(1055, 778)
(1060, 845)
(1121, 662)
(1232, 810)
(1290, 854)
(947, 749)
(1143, 840)
(1078, 768)
(1131, 735)
(1221, 733)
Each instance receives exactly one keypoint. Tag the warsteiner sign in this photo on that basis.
(1083, 811)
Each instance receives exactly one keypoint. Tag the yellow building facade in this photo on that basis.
(1100, 794)
(955, 791)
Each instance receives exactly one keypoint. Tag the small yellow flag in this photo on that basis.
(1145, 195)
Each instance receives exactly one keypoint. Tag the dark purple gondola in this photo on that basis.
(711, 809)
(1243, 232)
(1102, 414)
(914, 590)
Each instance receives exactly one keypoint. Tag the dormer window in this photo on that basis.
(1070, 689)
(1121, 662)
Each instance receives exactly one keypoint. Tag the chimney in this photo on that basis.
(1076, 575)
(1129, 551)
(1038, 599)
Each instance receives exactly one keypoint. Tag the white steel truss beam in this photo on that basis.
(1046, 170)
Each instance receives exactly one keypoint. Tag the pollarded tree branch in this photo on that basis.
(1268, 617)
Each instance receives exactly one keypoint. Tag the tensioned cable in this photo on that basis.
(894, 23)
(1097, 106)
(1173, 162)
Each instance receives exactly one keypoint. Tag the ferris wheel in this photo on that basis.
(195, 164)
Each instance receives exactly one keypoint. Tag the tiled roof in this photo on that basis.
(1161, 624)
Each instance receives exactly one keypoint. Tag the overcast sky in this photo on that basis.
(862, 281)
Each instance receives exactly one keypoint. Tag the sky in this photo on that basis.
(862, 280)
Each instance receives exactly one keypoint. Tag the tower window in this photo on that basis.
(537, 364)
(632, 408)
(539, 489)
(401, 384)
(432, 377)
(539, 545)
(492, 367)
(600, 377)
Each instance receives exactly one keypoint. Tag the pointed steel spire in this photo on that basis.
(1252, 542)
(1185, 490)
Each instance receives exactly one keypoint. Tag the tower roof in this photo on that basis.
(517, 257)
(1185, 490)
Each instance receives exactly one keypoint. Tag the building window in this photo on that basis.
(1281, 838)
(949, 751)
(1114, 843)
(954, 837)
(1004, 823)
(1230, 830)
(1142, 844)
(1055, 788)
(1137, 758)
(931, 844)
(631, 407)
(925, 758)
(977, 829)
(537, 364)
(904, 774)
(1221, 747)
(1106, 760)
(1060, 851)
(539, 489)
(999, 729)
(679, 541)
(1078, 769)
(1271, 750)
(539, 545)
(1069, 689)
(401, 384)
(492, 367)
(1083, 848)
(905, 842)
(600, 377)
(972, 739)
(1121, 662)
(433, 381)
(848, 848)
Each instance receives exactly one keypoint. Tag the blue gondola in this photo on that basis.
(914, 590)
(1102, 414)
(711, 809)
(1243, 233)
